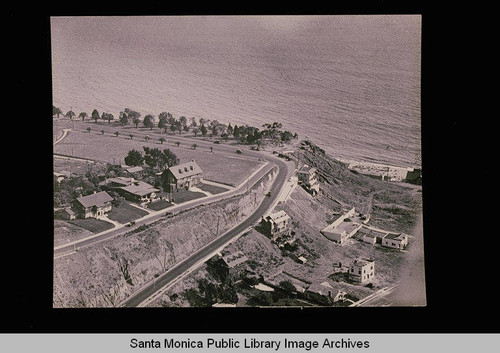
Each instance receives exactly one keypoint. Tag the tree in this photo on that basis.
(203, 130)
(196, 131)
(88, 129)
(95, 115)
(149, 121)
(171, 158)
(159, 160)
(177, 143)
(287, 286)
(70, 114)
(117, 133)
(236, 131)
(109, 117)
(131, 136)
(82, 115)
(229, 129)
(194, 146)
(162, 121)
(134, 158)
(162, 139)
(146, 138)
(136, 121)
(123, 118)
(132, 114)
(102, 132)
(56, 111)
(193, 121)
(183, 121)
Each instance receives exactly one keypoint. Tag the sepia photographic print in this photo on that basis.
(237, 161)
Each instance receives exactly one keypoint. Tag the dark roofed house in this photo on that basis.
(93, 205)
(182, 176)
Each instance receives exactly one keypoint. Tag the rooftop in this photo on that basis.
(140, 188)
(396, 236)
(279, 216)
(307, 169)
(234, 259)
(97, 199)
(185, 169)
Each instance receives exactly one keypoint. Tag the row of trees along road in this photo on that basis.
(244, 134)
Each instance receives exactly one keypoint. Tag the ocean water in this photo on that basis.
(349, 83)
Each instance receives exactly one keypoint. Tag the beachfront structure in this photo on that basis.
(362, 271)
(342, 228)
(275, 224)
(308, 178)
(395, 240)
(182, 176)
(93, 205)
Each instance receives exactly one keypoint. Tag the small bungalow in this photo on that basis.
(139, 192)
(362, 271)
(275, 224)
(395, 240)
(307, 177)
(182, 176)
(93, 205)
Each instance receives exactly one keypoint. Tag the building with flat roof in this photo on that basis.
(362, 271)
(395, 240)
(342, 228)
(275, 224)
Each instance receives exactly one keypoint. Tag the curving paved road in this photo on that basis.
(207, 251)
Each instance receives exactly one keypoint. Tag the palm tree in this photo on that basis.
(88, 129)
(70, 114)
(162, 139)
(194, 146)
(56, 111)
(131, 136)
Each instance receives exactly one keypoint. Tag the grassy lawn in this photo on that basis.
(217, 167)
(126, 213)
(186, 195)
(92, 224)
(211, 188)
(159, 205)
